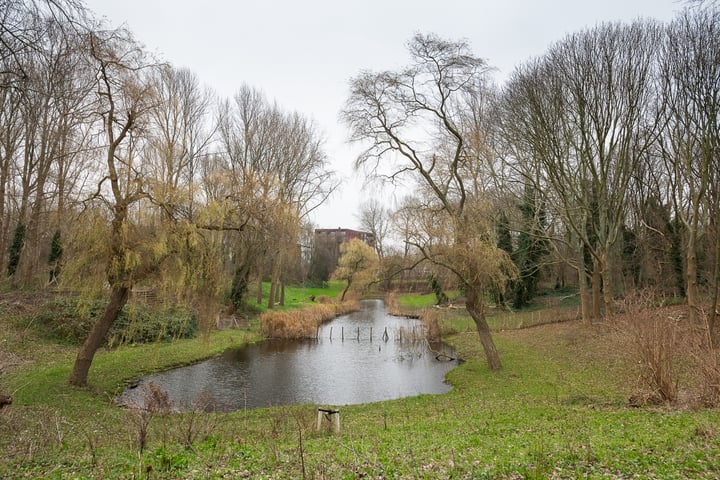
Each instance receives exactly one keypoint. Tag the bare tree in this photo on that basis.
(180, 135)
(581, 119)
(690, 76)
(279, 156)
(56, 107)
(375, 219)
(44, 89)
(391, 111)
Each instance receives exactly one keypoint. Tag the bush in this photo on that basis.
(656, 340)
(145, 325)
(67, 321)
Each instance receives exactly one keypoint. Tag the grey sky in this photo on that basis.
(302, 54)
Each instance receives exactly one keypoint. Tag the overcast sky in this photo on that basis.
(303, 53)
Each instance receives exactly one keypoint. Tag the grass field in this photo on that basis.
(558, 409)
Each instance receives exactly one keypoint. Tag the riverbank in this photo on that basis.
(558, 409)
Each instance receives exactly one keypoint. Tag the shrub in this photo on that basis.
(656, 338)
(67, 321)
(706, 359)
(145, 324)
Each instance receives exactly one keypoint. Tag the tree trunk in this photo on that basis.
(583, 286)
(118, 299)
(607, 285)
(596, 290)
(691, 275)
(476, 309)
(345, 290)
(271, 297)
(585, 300)
(713, 314)
(4, 219)
(258, 295)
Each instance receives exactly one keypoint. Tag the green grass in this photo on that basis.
(422, 301)
(558, 409)
(296, 296)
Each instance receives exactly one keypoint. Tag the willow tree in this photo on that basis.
(412, 122)
(280, 157)
(124, 99)
(357, 265)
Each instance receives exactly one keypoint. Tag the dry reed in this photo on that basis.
(431, 320)
(304, 322)
(392, 306)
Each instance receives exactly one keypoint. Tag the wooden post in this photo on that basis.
(331, 333)
(358, 334)
(336, 421)
(342, 333)
(333, 416)
(370, 334)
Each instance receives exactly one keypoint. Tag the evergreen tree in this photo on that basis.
(504, 242)
(239, 287)
(532, 246)
(440, 296)
(15, 249)
(55, 257)
(504, 239)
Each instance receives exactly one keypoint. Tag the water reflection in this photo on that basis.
(348, 363)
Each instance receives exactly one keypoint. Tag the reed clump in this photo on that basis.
(303, 322)
(392, 305)
(431, 319)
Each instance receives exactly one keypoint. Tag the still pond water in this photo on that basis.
(344, 365)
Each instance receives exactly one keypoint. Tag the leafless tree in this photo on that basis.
(56, 108)
(180, 135)
(690, 76)
(411, 121)
(581, 119)
(375, 219)
(277, 158)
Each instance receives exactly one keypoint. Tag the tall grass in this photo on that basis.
(303, 322)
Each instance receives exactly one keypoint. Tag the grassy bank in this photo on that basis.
(558, 409)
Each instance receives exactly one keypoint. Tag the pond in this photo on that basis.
(366, 356)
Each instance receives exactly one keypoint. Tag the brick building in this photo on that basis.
(326, 249)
